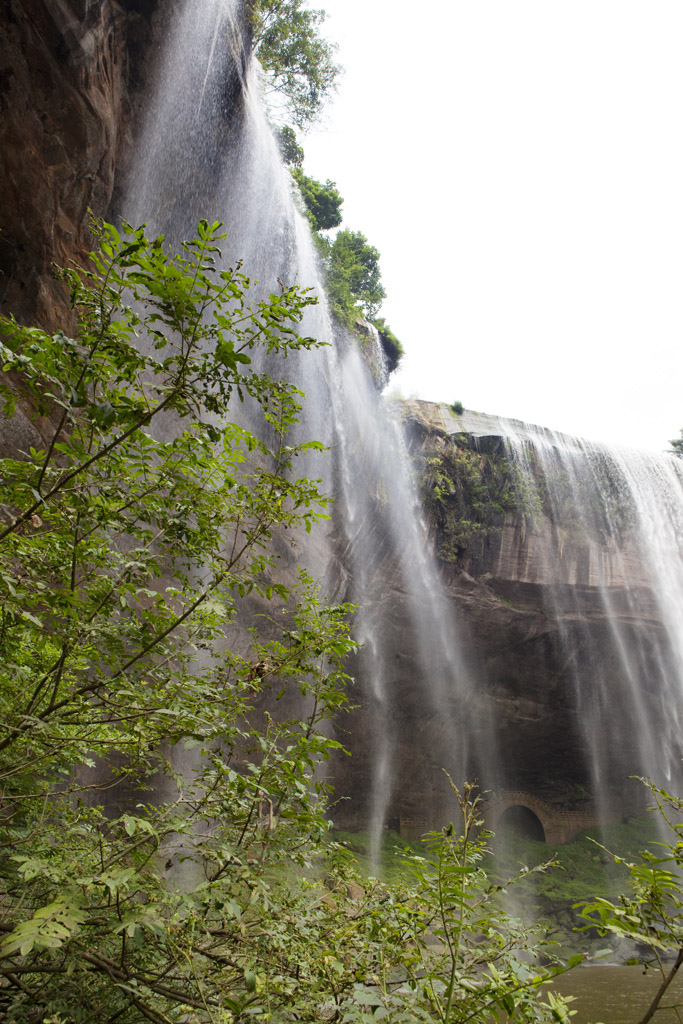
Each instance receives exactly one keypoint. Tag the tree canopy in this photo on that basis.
(291, 152)
(298, 61)
(354, 278)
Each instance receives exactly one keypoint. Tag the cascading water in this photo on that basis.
(605, 552)
(607, 541)
(387, 540)
(207, 151)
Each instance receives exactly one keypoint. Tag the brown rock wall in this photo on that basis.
(65, 129)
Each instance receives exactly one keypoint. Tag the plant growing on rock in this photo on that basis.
(323, 202)
(466, 492)
(353, 277)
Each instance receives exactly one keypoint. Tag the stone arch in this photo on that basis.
(523, 821)
(527, 810)
(558, 825)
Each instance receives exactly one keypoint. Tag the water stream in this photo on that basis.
(613, 522)
(609, 521)
(207, 150)
(618, 995)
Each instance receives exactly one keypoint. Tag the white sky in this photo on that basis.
(519, 165)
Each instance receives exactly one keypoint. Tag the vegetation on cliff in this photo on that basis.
(353, 280)
(350, 263)
(466, 491)
(468, 485)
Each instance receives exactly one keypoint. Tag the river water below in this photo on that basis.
(618, 995)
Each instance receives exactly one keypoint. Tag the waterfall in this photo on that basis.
(206, 150)
(608, 546)
(600, 542)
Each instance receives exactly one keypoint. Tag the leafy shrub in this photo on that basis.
(393, 349)
(126, 539)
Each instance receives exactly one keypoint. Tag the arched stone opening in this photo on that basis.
(523, 822)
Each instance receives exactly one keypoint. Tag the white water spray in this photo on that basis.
(208, 151)
(616, 520)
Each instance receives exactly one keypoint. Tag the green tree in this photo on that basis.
(322, 201)
(298, 61)
(354, 281)
(291, 152)
(677, 445)
(127, 538)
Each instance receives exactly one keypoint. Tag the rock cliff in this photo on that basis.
(550, 615)
(71, 72)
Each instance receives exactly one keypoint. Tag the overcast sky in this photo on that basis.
(519, 165)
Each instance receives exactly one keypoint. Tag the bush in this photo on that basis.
(393, 349)
(125, 541)
(291, 152)
(651, 916)
(127, 538)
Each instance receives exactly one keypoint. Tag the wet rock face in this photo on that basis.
(67, 104)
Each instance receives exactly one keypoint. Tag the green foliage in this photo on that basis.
(677, 446)
(393, 349)
(291, 152)
(298, 61)
(467, 492)
(468, 485)
(126, 539)
(353, 280)
(457, 408)
(462, 959)
(323, 202)
(353, 277)
(478, 968)
(652, 915)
